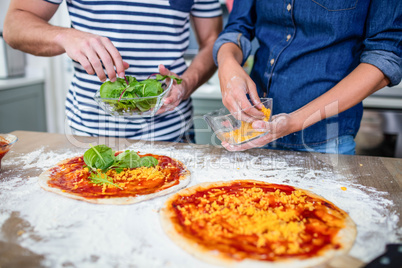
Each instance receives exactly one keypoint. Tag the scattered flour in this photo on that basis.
(39, 159)
(79, 234)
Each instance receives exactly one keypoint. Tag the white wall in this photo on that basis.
(3, 9)
(58, 73)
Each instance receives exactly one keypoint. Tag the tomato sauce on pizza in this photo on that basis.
(3, 148)
(73, 177)
(256, 220)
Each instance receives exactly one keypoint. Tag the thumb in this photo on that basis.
(260, 125)
(163, 70)
(126, 65)
(255, 99)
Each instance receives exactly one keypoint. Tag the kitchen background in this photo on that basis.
(34, 100)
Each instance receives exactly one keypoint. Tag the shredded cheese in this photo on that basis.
(246, 131)
(273, 218)
(122, 178)
(267, 113)
(141, 173)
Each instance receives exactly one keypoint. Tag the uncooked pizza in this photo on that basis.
(103, 176)
(248, 222)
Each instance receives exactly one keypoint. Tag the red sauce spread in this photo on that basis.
(73, 177)
(258, 221)
(3, 148)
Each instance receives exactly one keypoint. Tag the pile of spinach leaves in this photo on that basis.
(124, 90)
(101, 158)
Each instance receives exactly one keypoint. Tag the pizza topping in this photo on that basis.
(99, 157)
(102, 178)
(129, 159)
(149, 173)
(3, 142)
(260, 221)
(3, 148)
(102, 159)
(77, 177)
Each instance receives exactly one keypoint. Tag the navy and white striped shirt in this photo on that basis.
(146, 33)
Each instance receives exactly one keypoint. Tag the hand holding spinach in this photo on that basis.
(128, 89)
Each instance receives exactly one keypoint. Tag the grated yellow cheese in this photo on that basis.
(246, 131)
(141, 173)
(267, 113)
(272, 217)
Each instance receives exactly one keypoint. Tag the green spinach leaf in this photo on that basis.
(111, 89)
(100, 178)
(99, 157)
(128, 159)
(148, 88)
(160, 77)
(148, 161)
(102, 157)
(127, 91)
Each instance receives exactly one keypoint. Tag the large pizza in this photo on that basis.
(104, 176)
(248, 222)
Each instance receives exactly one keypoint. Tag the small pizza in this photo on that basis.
(103, 176)
(245, 222)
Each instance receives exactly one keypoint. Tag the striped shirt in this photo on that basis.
(146, 33)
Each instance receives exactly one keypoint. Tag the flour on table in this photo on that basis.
(38, 159)
(77, 233)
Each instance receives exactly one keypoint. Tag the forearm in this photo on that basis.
(200, 70)
(30, 33)
(229, 53)
(359, 84)
(202, 67)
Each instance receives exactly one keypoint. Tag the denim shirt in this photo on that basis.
(308, 46)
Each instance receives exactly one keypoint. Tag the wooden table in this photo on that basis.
(39, 228)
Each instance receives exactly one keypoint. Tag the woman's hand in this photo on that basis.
(235, 84)
(281, 125)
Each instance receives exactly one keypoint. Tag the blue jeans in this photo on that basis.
(341, 145)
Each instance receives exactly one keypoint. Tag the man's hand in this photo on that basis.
(202, 66)
(26, 28)
(93, 52)
(281, 125)
(176, 94)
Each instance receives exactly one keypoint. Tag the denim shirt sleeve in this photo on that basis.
(237, 38)
(383, 39)
(239, 29)
(388, 62)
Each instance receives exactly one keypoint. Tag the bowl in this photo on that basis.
(7, 141)
(134, 107)
(231, 130)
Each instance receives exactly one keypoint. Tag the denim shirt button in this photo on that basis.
(288, 37)
(272, 62)
(289, 7)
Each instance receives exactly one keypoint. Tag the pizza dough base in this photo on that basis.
(45, 177)
(345, 237)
